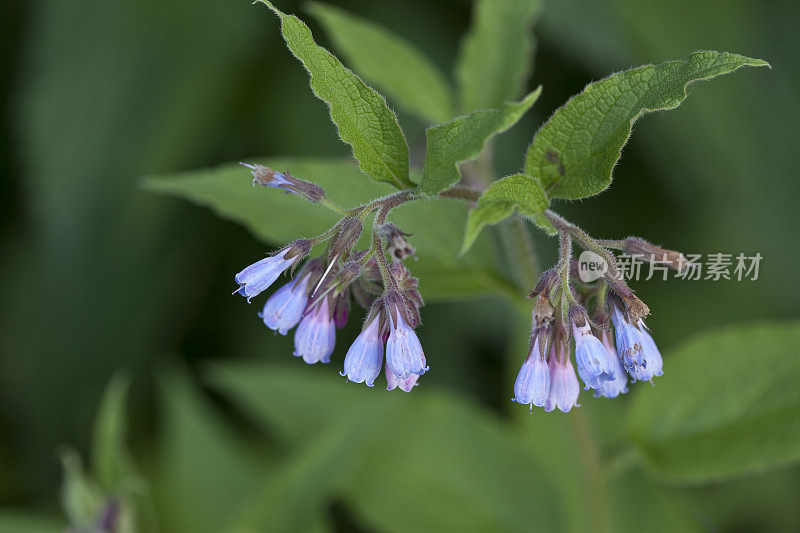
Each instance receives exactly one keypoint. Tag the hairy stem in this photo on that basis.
(586, 241)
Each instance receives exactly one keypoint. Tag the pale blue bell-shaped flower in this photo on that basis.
(316, 335)
(629, 342)
(595, 364)
(564, 386)
(618, 385)
(284, 309)
(260, 275)
(653, 364)
(532, 386)
(404, 355)
(364, 358)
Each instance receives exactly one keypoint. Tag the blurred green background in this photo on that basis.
(97, 275)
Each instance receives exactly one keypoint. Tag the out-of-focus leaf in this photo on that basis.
(637, 499)
(295, 496)
(270, 215)
(202, 471)
(437, 224)
(18, 522)
(81, 498)
(728, 405)
(455, 465)
(497, 53)
(574, 152)
(388, 61)
(519, 192)
(463, 139)
(111, 461)
(361, 115)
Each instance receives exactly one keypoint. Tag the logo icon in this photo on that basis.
(591, 266)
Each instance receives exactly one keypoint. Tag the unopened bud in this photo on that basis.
(342, 243)
(545, 284)
(341, 309)
(268, 177)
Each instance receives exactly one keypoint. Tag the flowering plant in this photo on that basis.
(571, 157)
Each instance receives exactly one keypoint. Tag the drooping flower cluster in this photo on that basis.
(606, 362)
(317, 300)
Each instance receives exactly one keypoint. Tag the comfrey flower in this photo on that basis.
(595, 364)
(618, 385)
(629, 342)
(392, 381)
(258, 277)
(404, 355)
(532, 386)
(564, 386)
(364, 359)
(316, 335)
(653, 364)
(284, 309)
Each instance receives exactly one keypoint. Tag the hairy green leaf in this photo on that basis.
(497, 53)
(517, 192)
(389, 61)
(728, 405)
(463, 139)
(276, 218)
(360, 113)
(574, 152)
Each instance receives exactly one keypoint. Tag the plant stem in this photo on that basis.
(462, 192)
(336, 208)
(583, 238)
(594, 471)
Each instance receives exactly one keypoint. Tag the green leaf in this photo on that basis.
(517, 192)
(81, 498)
(574, 152)
(19, 522)
(276, 218)
(361, 115)
(457, 466)
(389, 61)
(728, 405)
(111, 461)
(497, 53)
(202, 470)
(463, 139)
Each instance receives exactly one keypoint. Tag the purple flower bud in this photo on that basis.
(341, 309)
(595, 364)
(404, 355)
(618, 385)
(629, 343)
(653, 364)
(533, 381)
(564, 386)
(392, 381)
(316, 335)
(259, 276)
(363, 361)
(284, 309)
